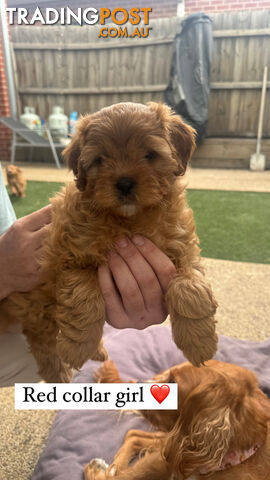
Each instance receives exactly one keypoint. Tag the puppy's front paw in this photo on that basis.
(107, 373)
(197, 339)
(191, 297)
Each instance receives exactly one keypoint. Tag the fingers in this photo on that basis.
(38, 237)
(162, 266)
(160, 263)
(142, 272)
(127, 285)
(116, 314)
(21, 246)
(37, 224)
(133, 284)
(37, 220)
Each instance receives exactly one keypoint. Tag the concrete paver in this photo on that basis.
(197, 178)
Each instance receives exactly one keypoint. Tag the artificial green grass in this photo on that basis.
(230, 225)
(37, 196)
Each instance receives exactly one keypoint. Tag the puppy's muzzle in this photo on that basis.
(125, 186)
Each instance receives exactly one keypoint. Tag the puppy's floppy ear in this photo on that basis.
(72, 153)
(201, 437)
(182, 136)
(183, 139)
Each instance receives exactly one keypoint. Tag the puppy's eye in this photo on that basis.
(97, 162)
(150, 156)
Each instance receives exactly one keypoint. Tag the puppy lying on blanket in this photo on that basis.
(128, 160)
(221, 430)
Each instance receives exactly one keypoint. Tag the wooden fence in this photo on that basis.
(241, 50)
(71, 67)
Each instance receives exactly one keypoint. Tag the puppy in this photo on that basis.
(128, 160)
(221, 430)
(16, 180)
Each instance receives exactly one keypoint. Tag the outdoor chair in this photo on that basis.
(30, 137)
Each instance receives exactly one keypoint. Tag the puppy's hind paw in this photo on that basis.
(96, 469)
(107, 373)
(99, 464)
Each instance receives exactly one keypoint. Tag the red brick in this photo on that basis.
(5, 134)
(224, 5)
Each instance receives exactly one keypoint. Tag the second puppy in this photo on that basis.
(221, 430)
(16, 180)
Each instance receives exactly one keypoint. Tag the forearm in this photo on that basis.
(4, 291)
(5, 286)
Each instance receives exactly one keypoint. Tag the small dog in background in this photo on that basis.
(16, 181)
(221, 430)
(128, 160)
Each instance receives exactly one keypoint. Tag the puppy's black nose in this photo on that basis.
(125, 185)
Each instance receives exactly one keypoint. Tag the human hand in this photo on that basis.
(134, 282)
(20, 247)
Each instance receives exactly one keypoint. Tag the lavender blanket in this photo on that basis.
(78, 436)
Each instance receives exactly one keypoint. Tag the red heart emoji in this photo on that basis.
(160, 393)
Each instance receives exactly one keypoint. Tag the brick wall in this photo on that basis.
(212, 6)
(161, 8)
(5, 135)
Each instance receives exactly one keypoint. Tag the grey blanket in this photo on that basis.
(78, 436)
